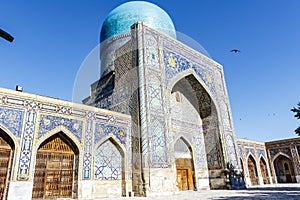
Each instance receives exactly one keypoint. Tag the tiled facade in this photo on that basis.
(29, 120)
(171, 92)
(159, 112)
(285, 161)
(269, 162)
(166, 92)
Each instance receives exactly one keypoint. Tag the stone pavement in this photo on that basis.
(279, 191)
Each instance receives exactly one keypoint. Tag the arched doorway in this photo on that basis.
(109, 166)
(284, 169)
(194, 111)
(264, 170)
(56, 168)
(184, 165)
(6, 155)
(252, 170)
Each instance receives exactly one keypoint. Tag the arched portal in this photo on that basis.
(109, 166)
(264, 170)
(284, 169)
(252, 170)
(56, 168)
(6, 157)
(184, 165)
(193, 112)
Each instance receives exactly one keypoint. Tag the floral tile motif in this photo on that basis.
(48, 122)
(12, 119)
(104, 130)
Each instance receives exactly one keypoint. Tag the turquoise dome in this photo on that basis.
(121, 18)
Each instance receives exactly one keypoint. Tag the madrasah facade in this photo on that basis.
(157, 121)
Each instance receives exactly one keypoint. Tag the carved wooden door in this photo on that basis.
(54, 174)
(184, 174)
(182, 179)
(5, 157)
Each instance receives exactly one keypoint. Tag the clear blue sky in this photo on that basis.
(53, 37)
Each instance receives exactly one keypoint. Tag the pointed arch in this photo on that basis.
(56, 167)
(109, 160)
(60, 129)
(184, 159)
(114, 140)
(179, 147)
(184, 139)
(184, 74)
(264, 169)
(252, 169)
(284, 168)
(280, 154)
(250, 154)
(191, 73)
(198, 95)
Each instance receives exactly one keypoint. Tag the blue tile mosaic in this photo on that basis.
(48, 123)
(12, 119)
(104, 130)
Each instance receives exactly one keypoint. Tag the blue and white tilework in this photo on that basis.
(12, 119)
(48, 122)
(26, 146)
(249, 150)
(108, 162)
(105, 130)
(261, 152)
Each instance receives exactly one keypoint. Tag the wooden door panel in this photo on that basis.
(184, 174)
(190, 179)
(179, 179)
(184, 179)
(53, 177)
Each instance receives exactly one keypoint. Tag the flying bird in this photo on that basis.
(235, 50)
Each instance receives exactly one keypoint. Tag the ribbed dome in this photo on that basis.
(121, 18)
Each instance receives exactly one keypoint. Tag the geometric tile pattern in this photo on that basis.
(157, 140)
(158, 157)
(12, 119)
(26, 147)
(88, 151)
(108, 162)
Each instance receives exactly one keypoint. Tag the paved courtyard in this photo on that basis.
(280, 191)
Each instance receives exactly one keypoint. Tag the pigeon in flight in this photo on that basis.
(235, 50)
